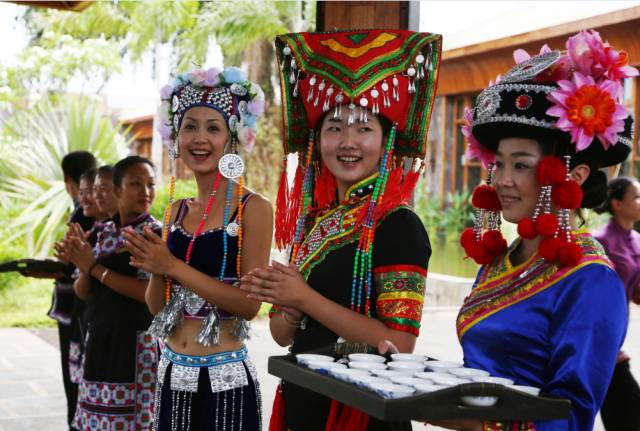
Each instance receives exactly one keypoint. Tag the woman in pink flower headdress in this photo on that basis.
(548, 311)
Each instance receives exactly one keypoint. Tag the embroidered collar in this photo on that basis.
(361, 189)
(501, 284)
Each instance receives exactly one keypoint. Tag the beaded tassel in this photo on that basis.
(225, 236)
(240, 208)
(305, 198)
(165, 233)
(362, 277)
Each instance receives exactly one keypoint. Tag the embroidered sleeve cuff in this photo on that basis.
(400, 290)
(274, 310)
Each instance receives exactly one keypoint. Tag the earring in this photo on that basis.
(481, 246)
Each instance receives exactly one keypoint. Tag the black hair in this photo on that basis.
(76, 163)
(89, 175)
(120, 169)
(105, 170)
(616, 189)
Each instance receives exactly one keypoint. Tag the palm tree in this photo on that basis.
(32, 177)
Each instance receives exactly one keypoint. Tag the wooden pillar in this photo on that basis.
(346, 15)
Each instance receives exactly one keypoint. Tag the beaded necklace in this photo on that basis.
(362, 279)
(203, 220)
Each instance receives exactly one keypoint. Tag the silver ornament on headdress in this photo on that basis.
(238, 89)
(530, 68)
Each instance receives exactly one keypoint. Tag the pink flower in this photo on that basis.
(198, 76)
(247, 137)
(211, 79)
(585, 50)
(165, 131)
(165, 92)
(256, 107)
(520, 55)
(475, 150)
(616, 64)
(588, 109)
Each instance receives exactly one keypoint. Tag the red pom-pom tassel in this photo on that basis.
(547, 224)
(567, 194)
(570, 254)
(527, 229)
(492, 241)
(548, 248)
(485, 197)
(551, 170)
(467, 237)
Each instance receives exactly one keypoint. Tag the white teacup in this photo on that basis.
(387, 374)
(324, 367)
(426, 387)
(369, 366)
(391, 390)
(408, 367)
(347, 374)
(366, 357)
(491, 379)
(407, 380)
(531, 390)
(303, 358)
(468, 373)
(408, 357)
(442, 366)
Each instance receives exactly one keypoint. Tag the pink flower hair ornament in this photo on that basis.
(475, 150)
(587, 109)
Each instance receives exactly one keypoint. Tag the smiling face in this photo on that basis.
(202, 138)
(515, 177)
(106, 199)
(351, 153)
(86, 198)
(137, 191)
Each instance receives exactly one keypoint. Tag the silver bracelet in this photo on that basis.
(288, 322)
(103, 275)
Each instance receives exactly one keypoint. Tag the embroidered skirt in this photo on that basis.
(207, 393)
(117, 387)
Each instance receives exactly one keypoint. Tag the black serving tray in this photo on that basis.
(33, 265)
(440, 405)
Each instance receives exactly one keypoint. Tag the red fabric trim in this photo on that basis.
(400, 268)
(403, 328)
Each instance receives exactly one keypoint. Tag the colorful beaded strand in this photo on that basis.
(362, 277)
(165, 233)
(306, 186)
(225, 235)
(205, 216)
(240, 209)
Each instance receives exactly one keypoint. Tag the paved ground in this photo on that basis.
(31, 396)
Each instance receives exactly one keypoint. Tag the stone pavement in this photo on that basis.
(31, 395)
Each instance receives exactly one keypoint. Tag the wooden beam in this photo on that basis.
(545, 34)
(341, 15)
(469, 69)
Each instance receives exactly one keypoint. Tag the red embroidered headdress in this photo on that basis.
(392, 73)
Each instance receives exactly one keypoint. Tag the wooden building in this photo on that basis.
(466, 71)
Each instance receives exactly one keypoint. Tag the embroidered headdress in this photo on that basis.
(570, 99)
(391, 73)
(238, 100)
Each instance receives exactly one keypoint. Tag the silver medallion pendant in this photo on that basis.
(231, 166)
(232, 229)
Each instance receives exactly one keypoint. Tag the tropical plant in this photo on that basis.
(33, 179)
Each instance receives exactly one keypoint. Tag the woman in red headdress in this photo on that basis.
(356, 109)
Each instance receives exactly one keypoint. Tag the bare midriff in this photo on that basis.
(183, 339)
